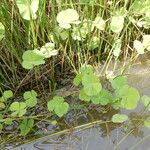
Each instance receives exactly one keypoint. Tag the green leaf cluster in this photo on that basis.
(25, 126)
(5, 96)
(92, 88)
(30, 98)
(20, 108)
(58, 105)
(127, 97)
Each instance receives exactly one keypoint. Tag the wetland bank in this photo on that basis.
(74, 74)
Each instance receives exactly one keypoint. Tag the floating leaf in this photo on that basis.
(119, 118)
(119, 82)
(147, 123)
(28, 8)
(2, 31)
(92, 85)
(103, 98)
(26, 125)
(18, 108)
(30, 97)
(67, 17)
(146, 101)
(138, 46)
(117, 23)
(130, 97)
(58, 105)
(31, 58)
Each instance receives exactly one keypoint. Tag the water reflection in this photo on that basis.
(107, 136)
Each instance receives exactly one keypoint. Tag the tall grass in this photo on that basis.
(22, 35)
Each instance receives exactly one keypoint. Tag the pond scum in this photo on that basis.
(46, 42)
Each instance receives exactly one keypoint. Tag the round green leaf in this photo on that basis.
(26, 125)
(67, 17)
(117, 23)
(31, 58)
(146, 101)
(92, 85)
(99, 23)
(119, 118)
(83, 96)
(58, 105)
(18, 108)
(30, 97)
(28, 8)
(130, 97)
(119, 82)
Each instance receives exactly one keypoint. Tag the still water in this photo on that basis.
(105, 136)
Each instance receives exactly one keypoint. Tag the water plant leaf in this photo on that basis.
(92, 85)
(79, 33)
(119, 118)
(99, 23)
(67, 17)
(18, 108)
(147, 123)
(77, 80)
(8, 121)
(146, 101)
(86, 69)
(6, 95)
(58, 105)
(94, 43)
(28, 8)
(31, 58)
(2, 31)
(146, 41)
(30, 97)
(130, 97)
(117, 23)
(83, 96)
(138, 46)
(2, 105)
(25, 126)
(118, 82)
(103, 98)
(48, 50)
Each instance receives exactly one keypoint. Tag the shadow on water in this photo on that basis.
(100, 136)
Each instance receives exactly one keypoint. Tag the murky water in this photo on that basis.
(105, 136)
